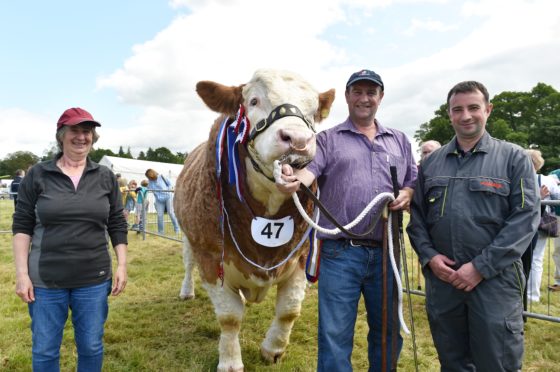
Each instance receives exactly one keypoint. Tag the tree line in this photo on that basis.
(529, 119)
(25, 159)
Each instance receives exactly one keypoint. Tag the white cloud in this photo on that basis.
(23, 130)
(513, 49)
(429, 25)
(223, 42)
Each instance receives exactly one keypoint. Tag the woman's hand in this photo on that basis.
(24, 288)
(120, 277)
(119, 280)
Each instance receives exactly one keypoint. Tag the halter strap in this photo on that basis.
(279, 112)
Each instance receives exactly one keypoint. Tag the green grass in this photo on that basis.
(150, 329)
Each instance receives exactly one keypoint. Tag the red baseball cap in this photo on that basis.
(75, 115)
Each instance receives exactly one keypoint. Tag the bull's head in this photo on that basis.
(282, 109)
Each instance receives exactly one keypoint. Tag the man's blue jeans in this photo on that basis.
(49, 313)
(346, 273)
(160, 209)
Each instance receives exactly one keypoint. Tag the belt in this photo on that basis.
(364, 243)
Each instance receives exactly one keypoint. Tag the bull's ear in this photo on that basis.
(219, 98)
(326, 100)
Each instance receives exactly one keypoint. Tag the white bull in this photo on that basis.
(281, 110)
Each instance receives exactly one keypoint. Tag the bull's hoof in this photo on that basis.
(186, 296)
(272, 356)
(230, 368)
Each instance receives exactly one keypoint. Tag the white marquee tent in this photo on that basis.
(133, 169)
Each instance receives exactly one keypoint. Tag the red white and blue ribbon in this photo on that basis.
(231, 135)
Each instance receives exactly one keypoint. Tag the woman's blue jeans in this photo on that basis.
(346, 273)
(49, 313)
(160, 209)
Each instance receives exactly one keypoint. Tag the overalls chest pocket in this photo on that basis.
(436, 192)
(490, 198)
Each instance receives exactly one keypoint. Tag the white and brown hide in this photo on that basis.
(197, 208)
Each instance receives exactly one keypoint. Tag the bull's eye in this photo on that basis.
(254, 102)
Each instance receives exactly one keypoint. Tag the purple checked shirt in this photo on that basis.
(351, 171)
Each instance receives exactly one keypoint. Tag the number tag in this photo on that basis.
(272, 233)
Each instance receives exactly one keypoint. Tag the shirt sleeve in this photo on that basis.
(319, 162)
(553, 188)
(116, 225)
(411, 169)
(417, 228)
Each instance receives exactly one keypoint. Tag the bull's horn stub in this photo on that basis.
(324, 113)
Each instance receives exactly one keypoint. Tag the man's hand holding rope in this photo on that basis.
(402, 202)
(292, 179)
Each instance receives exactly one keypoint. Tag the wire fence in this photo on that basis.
(150, 219)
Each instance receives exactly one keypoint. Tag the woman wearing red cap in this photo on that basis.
(66, 207)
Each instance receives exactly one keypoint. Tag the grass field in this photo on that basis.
(150, 329)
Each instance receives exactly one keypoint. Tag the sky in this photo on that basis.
(134, 64)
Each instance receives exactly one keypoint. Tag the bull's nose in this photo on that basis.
(297, 140)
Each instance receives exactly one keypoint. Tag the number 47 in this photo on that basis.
(268, 230)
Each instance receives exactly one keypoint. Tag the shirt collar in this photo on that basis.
(51, 165)
(349, 126)
(481, 146)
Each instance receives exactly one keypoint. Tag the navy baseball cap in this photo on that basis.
(365, 75)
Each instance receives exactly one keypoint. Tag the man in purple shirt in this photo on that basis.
(352, 167)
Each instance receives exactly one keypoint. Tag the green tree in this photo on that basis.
(499, 129)
(438, 128)
(97, 154)
(141, 156)
(51, 152)
(181, 157)
(162, 154)
(17, 160)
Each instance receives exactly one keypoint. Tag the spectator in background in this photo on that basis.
(555, 174)
(67, 208)
(141, 205)
(427, 148)
(549, 190)
(14, 187)
(163, 200)
(130, 198)
(123, 188)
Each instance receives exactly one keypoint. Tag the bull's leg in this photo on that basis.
(229, 307)
(288, 306)
(187, 288)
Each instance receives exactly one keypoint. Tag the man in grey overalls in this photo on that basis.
(474, 212)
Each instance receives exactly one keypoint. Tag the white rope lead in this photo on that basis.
(396, 273)
(384, 196)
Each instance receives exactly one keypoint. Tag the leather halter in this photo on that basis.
(279, 112)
